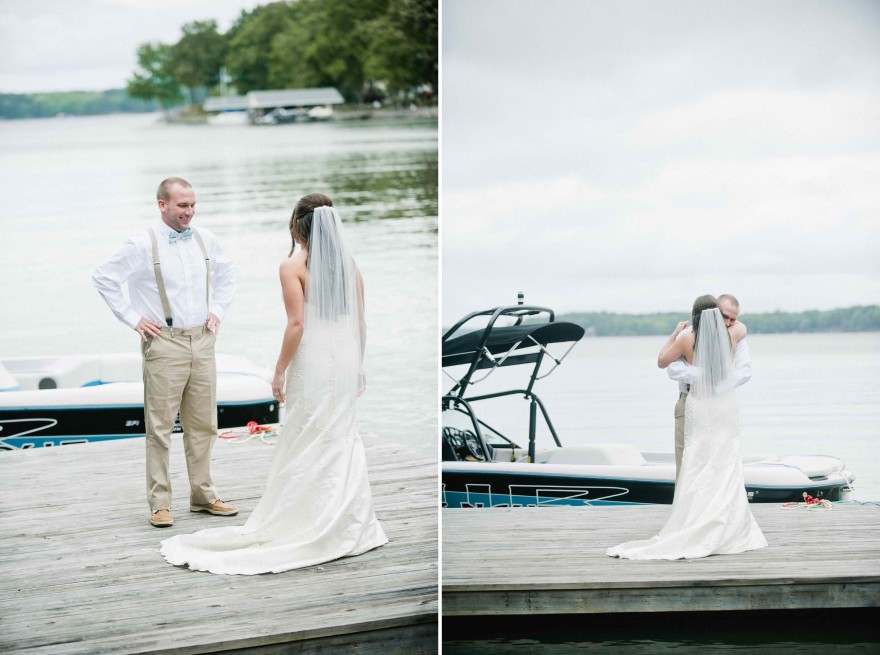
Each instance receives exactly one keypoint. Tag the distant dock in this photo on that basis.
(80, 570)
(502, 562)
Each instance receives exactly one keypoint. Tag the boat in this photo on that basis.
(282, 115)
(55, 401)
(484, 467)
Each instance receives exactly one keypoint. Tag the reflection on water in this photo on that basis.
(83, 185)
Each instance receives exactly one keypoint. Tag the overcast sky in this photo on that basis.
(71, 45)
(629, 156)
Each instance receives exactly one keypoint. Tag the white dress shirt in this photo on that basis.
(684, 373)
(183, 271)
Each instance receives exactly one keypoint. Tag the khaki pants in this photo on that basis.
(679, 432)
(180, 374)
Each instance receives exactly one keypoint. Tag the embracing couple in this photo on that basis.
(317, 504)
(709, 358)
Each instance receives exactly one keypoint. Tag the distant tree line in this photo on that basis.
(74, 103)
(367, 49)
(863, 318)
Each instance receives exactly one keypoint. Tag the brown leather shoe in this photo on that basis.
(217, 508)
(161, 518)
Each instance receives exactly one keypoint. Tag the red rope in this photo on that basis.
(809, 501)
(253, 428)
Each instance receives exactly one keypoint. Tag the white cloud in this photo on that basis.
(741, 119)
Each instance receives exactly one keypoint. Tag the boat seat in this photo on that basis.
(615, 454)
(813, 466)
(70, 371)
(759, 458)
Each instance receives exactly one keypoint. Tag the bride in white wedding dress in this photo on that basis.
(710, 511)
(317, 505)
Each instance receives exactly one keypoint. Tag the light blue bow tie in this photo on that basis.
(186, 234)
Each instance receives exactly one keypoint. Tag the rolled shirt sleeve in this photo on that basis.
(742, 363)
(109, 277)
(681, 371)
(222, 280)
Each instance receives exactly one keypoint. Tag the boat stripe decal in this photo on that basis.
(42, 408)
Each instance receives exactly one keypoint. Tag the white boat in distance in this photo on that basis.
(54, 401)
(482, 467)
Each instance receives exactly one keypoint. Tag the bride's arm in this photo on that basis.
(363, 321)
(675, 348)
(292, 273)
(738, 332)
(362, 380)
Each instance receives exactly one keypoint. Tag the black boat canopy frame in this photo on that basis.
(493, 347)
(481, 349)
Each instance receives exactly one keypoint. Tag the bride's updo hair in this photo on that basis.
(301, 219)
(701, 303)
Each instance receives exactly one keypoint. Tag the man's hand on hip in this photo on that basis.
(147, 328)
(213, 323)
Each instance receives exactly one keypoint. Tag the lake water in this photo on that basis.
(809, 394)
(76, 188)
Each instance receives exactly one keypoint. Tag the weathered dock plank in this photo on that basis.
(551, 560)
(80, 570)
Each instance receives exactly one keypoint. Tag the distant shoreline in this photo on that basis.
(859, 318)
(66, 104)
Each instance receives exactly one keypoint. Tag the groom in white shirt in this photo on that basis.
(180, 285)
(683, 373)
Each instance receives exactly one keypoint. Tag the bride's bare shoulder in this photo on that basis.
(296, 263)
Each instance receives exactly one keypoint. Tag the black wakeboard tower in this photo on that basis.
(524, 342)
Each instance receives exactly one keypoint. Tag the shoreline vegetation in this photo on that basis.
(859, 318)
(66, 104)
(72, 103)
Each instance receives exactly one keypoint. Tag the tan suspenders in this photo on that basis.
(160, 282)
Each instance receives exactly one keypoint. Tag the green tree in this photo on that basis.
(250, 42)
(327, 47)
(196, 59)
(155, 79)
(402, 50)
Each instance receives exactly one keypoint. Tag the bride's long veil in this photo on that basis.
(333, 313)
(713, 356)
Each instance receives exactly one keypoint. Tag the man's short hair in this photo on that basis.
(164, 190)
(729, 298)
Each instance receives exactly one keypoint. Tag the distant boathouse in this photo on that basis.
(278, 106)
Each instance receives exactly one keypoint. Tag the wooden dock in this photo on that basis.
(80, 570)
(504, 562)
